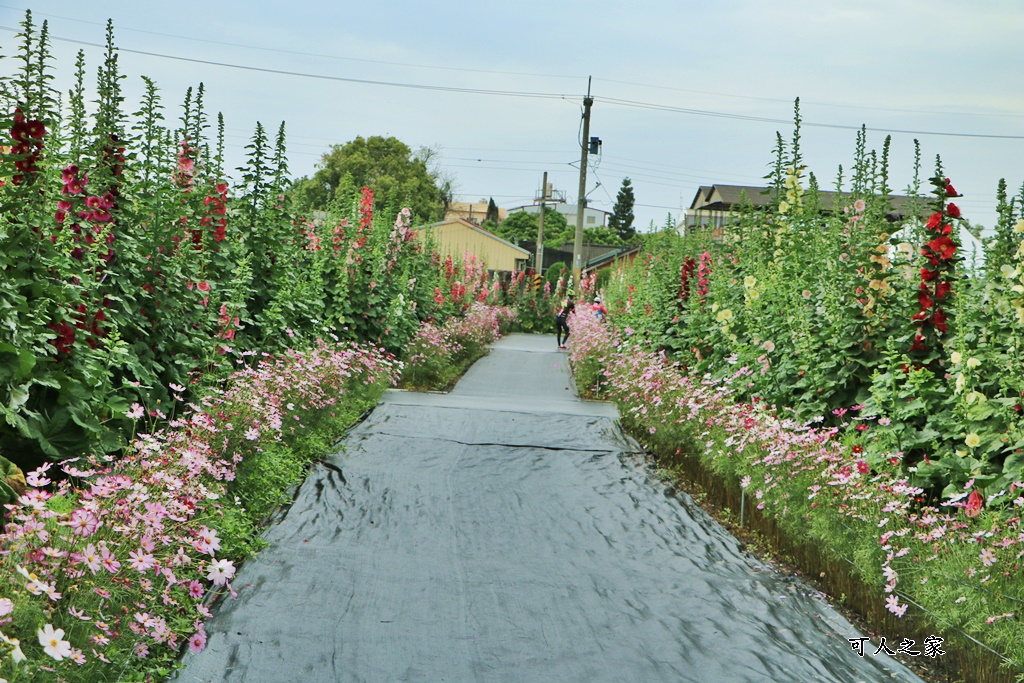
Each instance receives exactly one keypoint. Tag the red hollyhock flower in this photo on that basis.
(950, 190)
(943, 247)
(934, 221)
(952, 210)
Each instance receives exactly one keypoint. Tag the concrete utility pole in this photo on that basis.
(539, 261)
(577, 247)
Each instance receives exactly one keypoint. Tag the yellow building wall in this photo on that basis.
(456, 239)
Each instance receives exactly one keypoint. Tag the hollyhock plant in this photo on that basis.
(805, 477)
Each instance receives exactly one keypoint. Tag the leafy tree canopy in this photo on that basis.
(521, 226)
(602, 235)
(386, 165)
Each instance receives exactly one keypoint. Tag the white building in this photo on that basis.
(592, 218)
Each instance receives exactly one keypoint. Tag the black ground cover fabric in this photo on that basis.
(508, 531)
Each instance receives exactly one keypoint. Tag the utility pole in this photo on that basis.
(577, 247)
(539, 262)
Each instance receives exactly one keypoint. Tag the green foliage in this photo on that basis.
(621, 220)
(555, 272)
(828, 309)
(492, 212)
(386, 165)
(521, 226)
(602, 235)
(132, 262)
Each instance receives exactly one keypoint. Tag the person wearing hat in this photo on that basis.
(598, 308)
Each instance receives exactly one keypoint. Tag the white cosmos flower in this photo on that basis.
(53, 642)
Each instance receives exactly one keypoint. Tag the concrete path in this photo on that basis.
(507, 531)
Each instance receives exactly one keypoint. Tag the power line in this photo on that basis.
(764, 119)
(802, 101)
(539, 95)
(263, 48)
(343, 79)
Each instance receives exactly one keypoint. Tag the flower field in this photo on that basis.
(178, 347)
(859, 377)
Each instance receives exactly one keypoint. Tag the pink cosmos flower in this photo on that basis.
(108, 561)
(221, 572)
(83, 523)
(140, 560)
(91, 559)
(198, 641)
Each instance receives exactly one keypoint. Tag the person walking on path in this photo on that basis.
(561, 324)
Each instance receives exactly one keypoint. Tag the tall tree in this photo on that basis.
(492, 211)
(621, 220)
(386, 165)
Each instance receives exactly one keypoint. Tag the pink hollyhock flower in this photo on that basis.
(974, 504)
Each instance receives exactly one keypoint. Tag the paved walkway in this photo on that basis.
(507, 531)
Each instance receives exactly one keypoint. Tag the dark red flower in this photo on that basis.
(950, 190)
(952, 210)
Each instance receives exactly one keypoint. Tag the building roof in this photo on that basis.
(610, 257)
(730, 197)
(469, 225)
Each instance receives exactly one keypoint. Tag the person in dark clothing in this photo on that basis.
(560, 321)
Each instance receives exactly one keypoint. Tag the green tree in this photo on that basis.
(492, 212)
(386, 165)
(602, 235)
(621, 220)
(521, 226)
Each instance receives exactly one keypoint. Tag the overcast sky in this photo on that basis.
(705, 75)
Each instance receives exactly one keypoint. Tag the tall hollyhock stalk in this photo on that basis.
(935, 292)
(703, 275)
(687, 270)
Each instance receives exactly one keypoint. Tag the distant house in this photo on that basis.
(715, 206)
(474, 212)
(592, 218)
(458, 236)
(614, 257)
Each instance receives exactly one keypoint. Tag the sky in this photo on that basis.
(685, 93)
